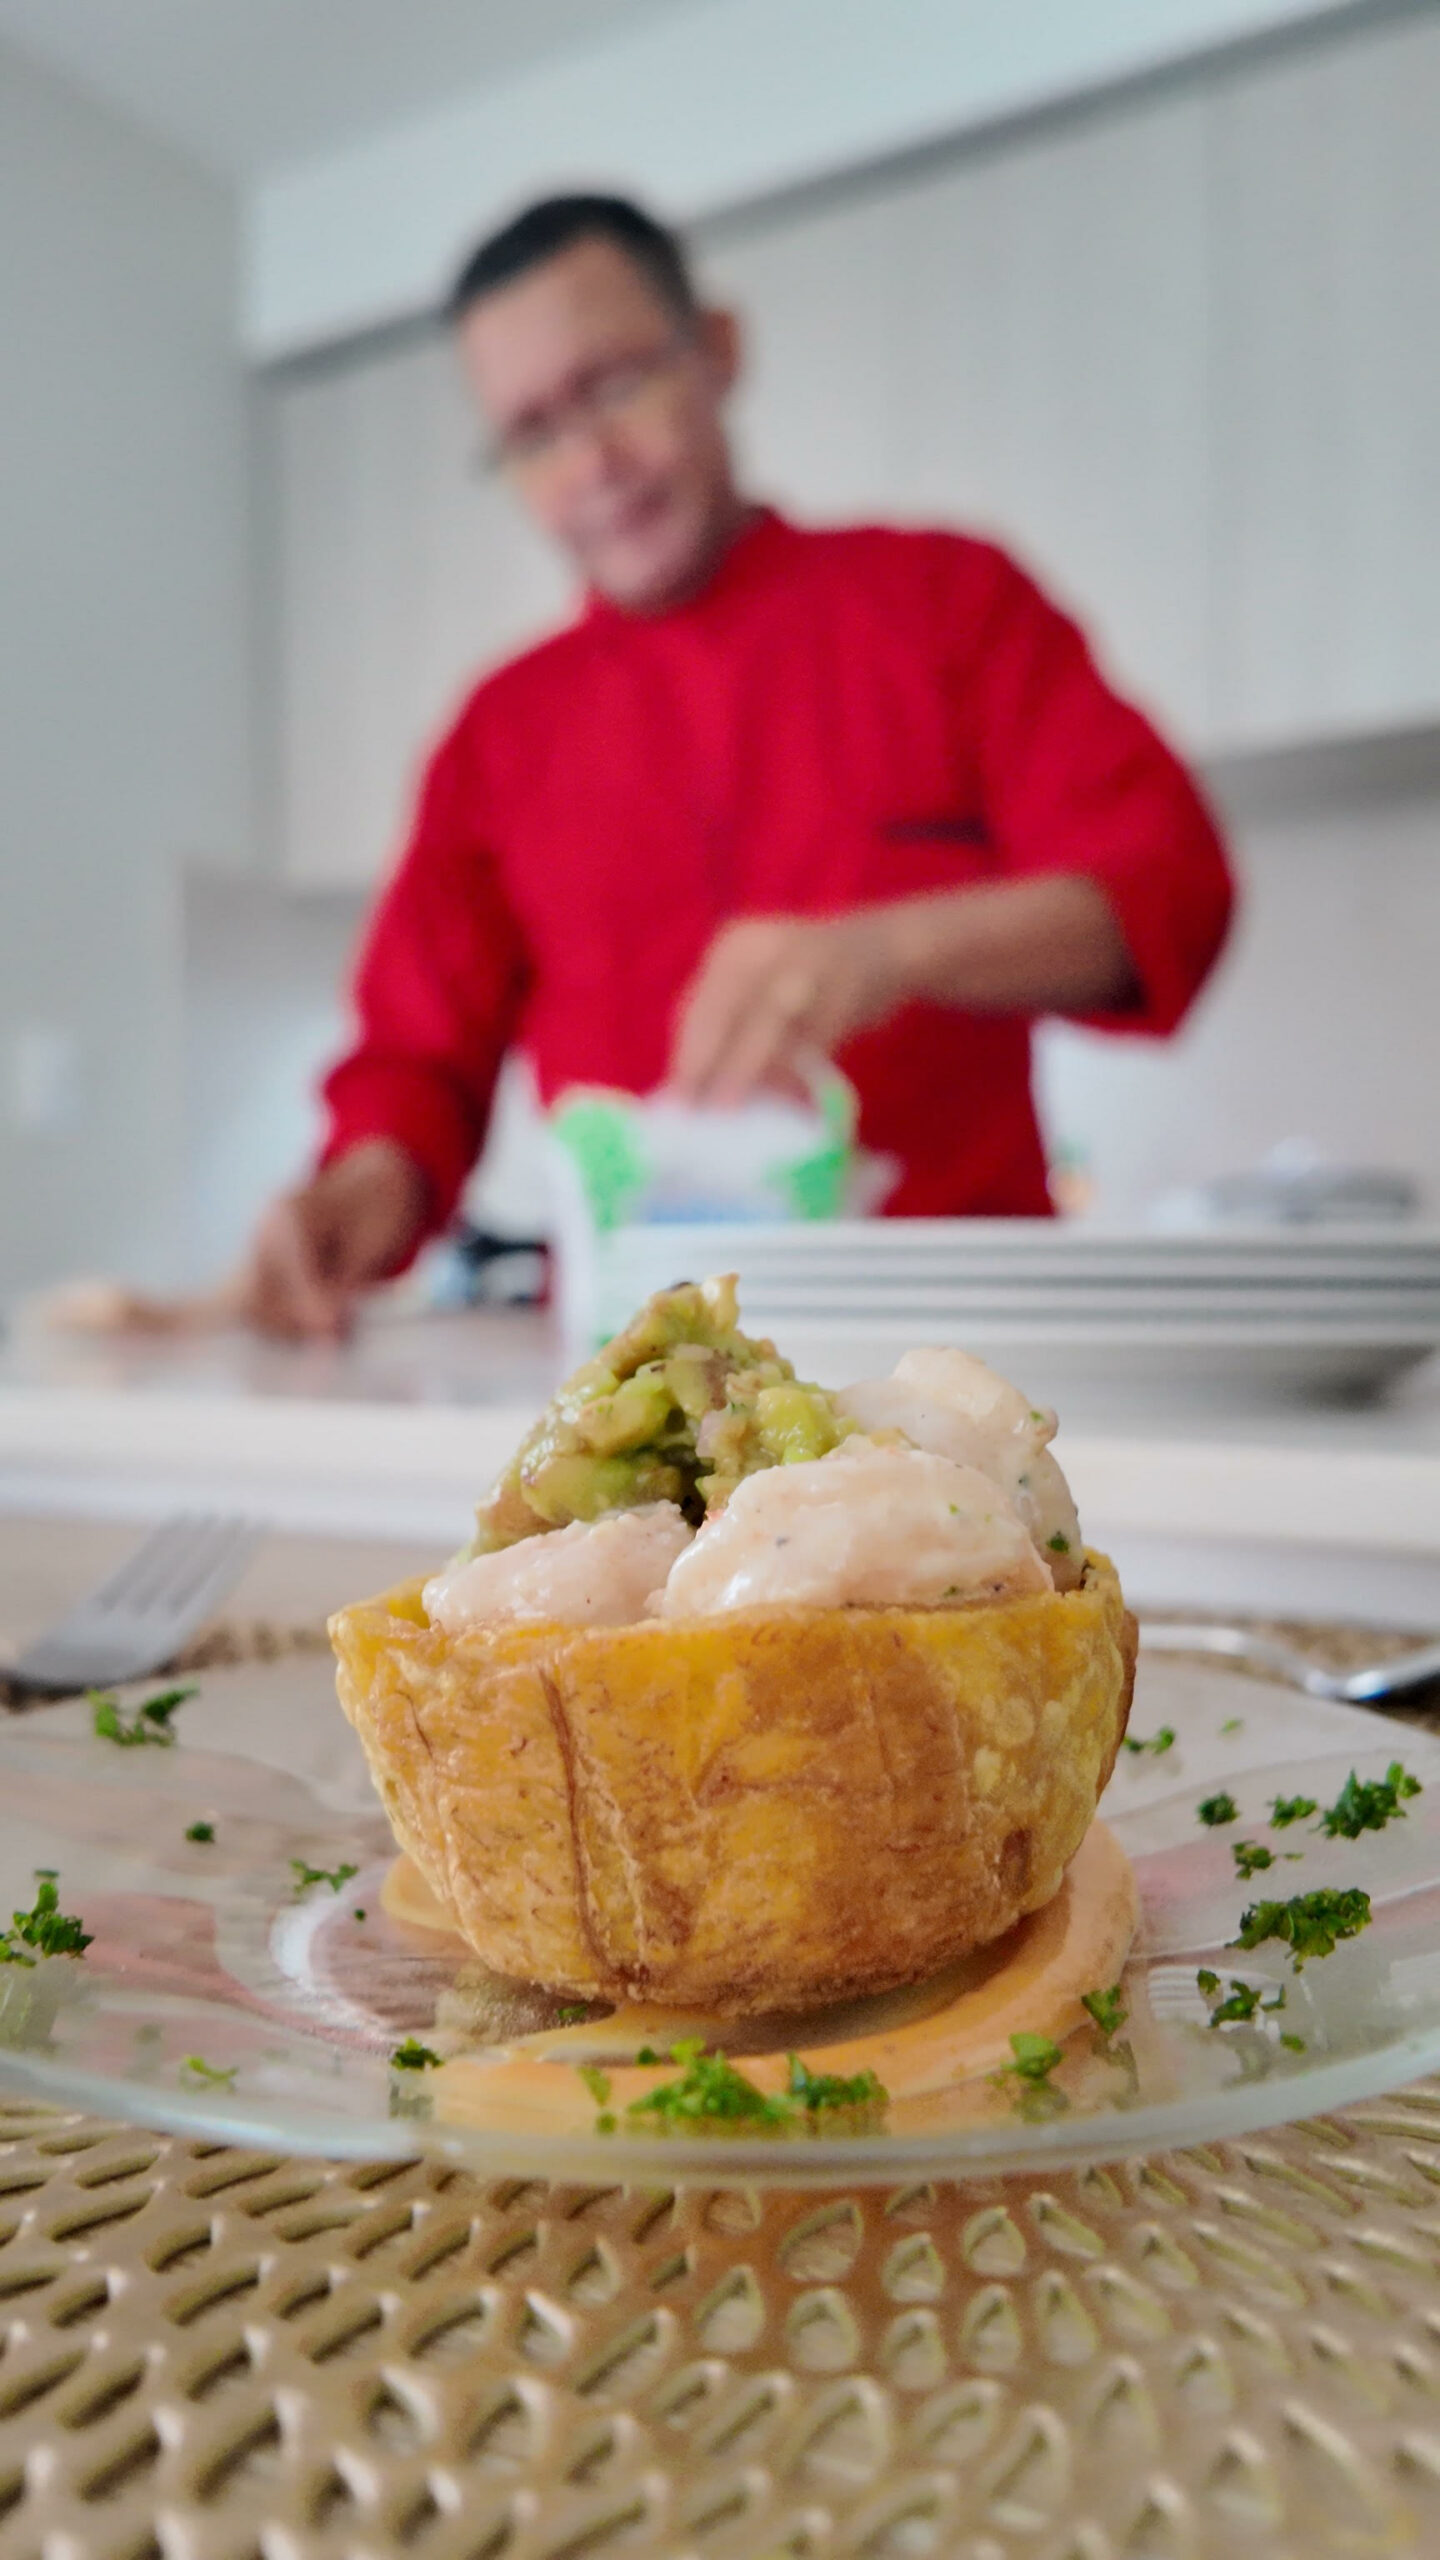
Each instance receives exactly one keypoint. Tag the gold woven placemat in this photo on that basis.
(229, 2356)
(214, 2354)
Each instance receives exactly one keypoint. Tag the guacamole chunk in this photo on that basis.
(677, 1408)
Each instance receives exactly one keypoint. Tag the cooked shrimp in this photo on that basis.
(866, 1523)
(951, 1403)
(596, 1573)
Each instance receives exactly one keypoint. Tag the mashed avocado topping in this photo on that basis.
(677, 1408)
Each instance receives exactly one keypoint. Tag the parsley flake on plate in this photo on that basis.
(1156, 1743)
(1367, 1804)
(1035, 2057)
(305, 1876)
(710, 2087)
(202, 1831)
(1107, 2008)
(212, 2075)
(149, 1723)
(1213, 1810)
(710, 2090)
(412, 2055)
(1027, 2075)
(1287, 1809)
(1242, 2003)
(817, 2091)
(45, 1928)
(1310, 1924)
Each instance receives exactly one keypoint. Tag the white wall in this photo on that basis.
(265, 1014)
(123, 660)
(1321, 1022)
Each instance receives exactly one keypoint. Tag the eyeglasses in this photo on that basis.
(612, 391)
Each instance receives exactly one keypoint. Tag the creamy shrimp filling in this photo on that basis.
(596, 1573)
(952, 1404)
(865, 1525)
(944, 1490)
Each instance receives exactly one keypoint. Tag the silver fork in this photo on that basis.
(1392, 1679)
(146, 1610)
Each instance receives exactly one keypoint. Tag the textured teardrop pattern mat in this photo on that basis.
(213, 2354)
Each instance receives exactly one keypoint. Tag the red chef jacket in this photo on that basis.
(838, 717)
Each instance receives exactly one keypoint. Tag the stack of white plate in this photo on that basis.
(1267, 1312)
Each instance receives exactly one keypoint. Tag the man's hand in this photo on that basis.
(772, 992)
(318, 1248)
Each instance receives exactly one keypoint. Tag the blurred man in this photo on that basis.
(774, 792)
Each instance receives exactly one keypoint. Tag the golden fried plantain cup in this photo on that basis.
(759, 1811)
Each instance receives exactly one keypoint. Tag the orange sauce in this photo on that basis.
(1029, 1980)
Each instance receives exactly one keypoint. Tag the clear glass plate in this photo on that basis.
(213, 1950)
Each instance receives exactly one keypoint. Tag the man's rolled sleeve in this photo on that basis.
(436, 992)
(1077, 780)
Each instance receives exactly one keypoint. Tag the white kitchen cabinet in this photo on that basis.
(1002, 345)
(1326, 500)
(1051, 376)
(814, 413)
(398, 576)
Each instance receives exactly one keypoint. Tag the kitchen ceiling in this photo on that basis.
(250, 86)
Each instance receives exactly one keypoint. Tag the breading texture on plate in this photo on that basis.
(753, 1812)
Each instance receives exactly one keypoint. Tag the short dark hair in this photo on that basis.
(556, 223)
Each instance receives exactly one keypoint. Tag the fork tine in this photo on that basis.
(145, 1610)
(122, 1587)
(190, 1560)
(216, 1570)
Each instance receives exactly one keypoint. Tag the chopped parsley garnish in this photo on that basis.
(816, 2091)
(1287, 1809)
(1059, 1544)
(1250, 1857)
(214, 2075)
(204, 1831)
(1311, 1924)
(359, 1912)
(711, 2090)
(1242, 2002)
(1293, 2044)
(305, 1876)
(44, 1927)
(1232, 1724)
(412, 2055)
(1158, 1743)
(1035, 2058)
(1213, 1810)
(1107, 2008)
(574, 2014)
(1367, 1804)
(709, 2086)
(149, 1723)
